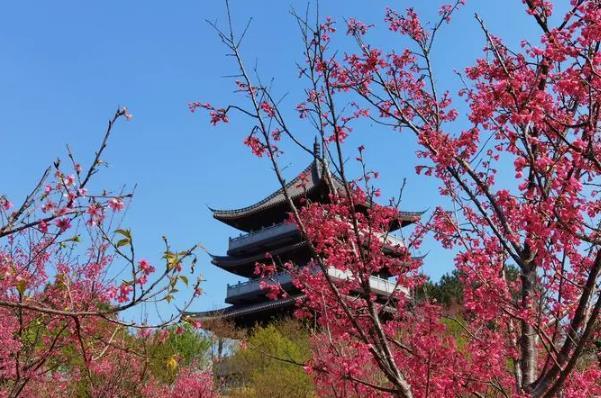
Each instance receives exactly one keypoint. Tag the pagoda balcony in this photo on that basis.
(377, 285)
(263, 239)
(249, 291)
(392, 240)
(278, 235)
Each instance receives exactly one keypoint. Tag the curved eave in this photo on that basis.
(274, 208)
(244, 266)
(411, 215)
(406, 218)
(236, 311)
(265, 215)
(295, 189)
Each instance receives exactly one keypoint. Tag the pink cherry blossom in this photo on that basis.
(116, 204)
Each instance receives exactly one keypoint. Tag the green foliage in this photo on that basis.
(182, 347)
(271, 363)
(447, 291)
(454, 329)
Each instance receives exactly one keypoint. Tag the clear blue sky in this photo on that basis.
(67, 65)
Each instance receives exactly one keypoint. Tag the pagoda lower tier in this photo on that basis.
(250, 304)
(245, 316)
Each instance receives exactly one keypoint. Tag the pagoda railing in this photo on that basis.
(254, 285)
(378, 285)
(271, 232)
(264, 234)
(393, 240)
(384, 286)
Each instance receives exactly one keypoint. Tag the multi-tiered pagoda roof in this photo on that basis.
(267, 232)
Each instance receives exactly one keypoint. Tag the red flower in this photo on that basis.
(63, 224)
(146, 267)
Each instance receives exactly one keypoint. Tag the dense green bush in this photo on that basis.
(269, 363)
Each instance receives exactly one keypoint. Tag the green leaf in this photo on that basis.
(172, 262)
(168, 255)
(123, 242)
(184, 279)
(124, 232)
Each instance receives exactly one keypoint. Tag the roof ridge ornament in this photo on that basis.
(316, 148)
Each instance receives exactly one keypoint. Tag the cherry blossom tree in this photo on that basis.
(68, 273)
(520, 182)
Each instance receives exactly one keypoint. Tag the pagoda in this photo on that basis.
(267, 233)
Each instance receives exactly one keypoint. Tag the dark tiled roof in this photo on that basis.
(410, 215)
(311, 179)
(295, 188)
(244, 266)
(238, 310)
(232, 261)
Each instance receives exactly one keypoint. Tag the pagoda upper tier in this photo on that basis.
(311, 184)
